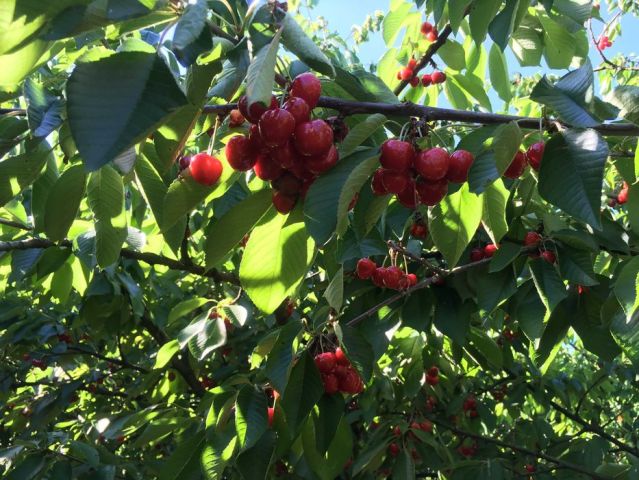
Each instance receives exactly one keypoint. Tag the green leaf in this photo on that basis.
(334, 293)
(481, 14)
(569, 97)
(527, 45)
(476, 87)
(504, 256)
(571, 175)
(555, 330)
(593, 330)
(254, 463)
(559, 44)
(393, 22)
(487, 346)
(261, 72)
(329, 464)
(498, 69)
(452, 316)
(404, 466)
(550, 287)
(624, 329)
(191, 37)
(136, 89)
(280, 357)
(297, 42)
(626, 286)
(453, 223)
(15, 66)
(250, 416)
(326, 204)
(276, 259)
(63, 202)
(576, 266)
(28, 468)
(452, 53)
(494, 212)
(203, 335)
(166, 353)
(493, 288)
(44, 110)
(501, 28)
(326, 422)
(626, 98)
(360, 133)
(358, 350)
(184, 459)
(105, 195)
(225, 233)
(17, 173)
(218, 453)
(303, 391)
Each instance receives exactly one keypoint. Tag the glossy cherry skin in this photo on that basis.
(397, 155)
(331, 384)
(378, 276)
(438, 77)
(476, 254)
(534, 154)
(288, 184)
(392, 277)
(276, 127)
(266, 168)
(256, 139)
(376, 183)
(365, 268)
(549, 256)
(427, 79)
(283, 203)
(322, 163)
(394, 182)
(432, 164)
(298, 107)
(426, 28)
(205, 169)
(414, 82)
(341, 357)
(313, 138)
(432, 35)
(412, 279)
(254, 112)
(308, 87)
(489, 250)
(459, 165)
(325, 362)
(286, 155)
(517, 166)
(240, 153)
(270, 412)
(350, 383)
(393, 449)
(431, 193)
(418, 230)
(532, 238)
(408, 197)
(406, 74)
(622, 196)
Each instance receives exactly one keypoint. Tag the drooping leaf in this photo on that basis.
(63, 202)
(250, 416)
(626, 97)
(302, 392)
(498, 69)
(297, 42)
(494, 212)
(261, 72)
(17, 173)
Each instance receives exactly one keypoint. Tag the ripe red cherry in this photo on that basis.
(313, 138)
(426, 79)
(530, 468)
(549, 256)
(322, 163)
(517, 166)
(276, 127)
(404, 283)
(378, 276)
(534, 154)
(432, 164)
(622, 196)
(394, 182)
(301, 172)
(414, 82)
(331, 383)
(393, 449)
(351, 383)
(376, 184)
(426, 28)
(412, 279)
(256, 139)
(365, 268)
(397, 155)
(325, 362)
(426, 426)
(283, 203)
(254, 112)
(205, 169)
(412, 64)
(266, 168)
(432, 35)
(431, 380)
(438, 77)
(341, 358)
(271, 415)
(308, 87)
(286, 155)
(418, 230)
(532, 238)
(406, 74)
(459, 165)
(489, 250)
(392, 277)
(431, 193)
(236, 119)
(408, 197)
(184, 162)
(240, 154)
(288, 184)
(298, 107)
(433, 372)
(470, 403)
(476, 254)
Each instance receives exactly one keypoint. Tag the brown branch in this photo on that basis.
(605, 59)
(218, 32)
(399, 248)
(123, 363)
(18, 225)
(516, 448)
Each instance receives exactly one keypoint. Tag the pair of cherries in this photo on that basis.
(532, 157)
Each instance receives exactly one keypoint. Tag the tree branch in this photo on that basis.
(18, 225)
(123, 363)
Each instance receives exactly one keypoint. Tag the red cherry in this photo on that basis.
(325, 362)
(459, 165)
(298, 107)
(322, 163)
(240, 154)
(341, 358)
(283, 203)
(430, 380)
(300, 171)
(432, 164)
(426, 28)
(397, 155)
(331, 383)
(365, 268)
(404, 283)
(412, 63)
(393, 449)
(377, 185)
(350, 382)
(406, 74)
(489, 250)
(414, 82)
(392, 277)
(254, 112)
(205, 169)
(286, 155)
(394, 182)
(438, 77)
(308, 87)
(276, 127)
(426, 426)
(256, 139)
(412, 279)
(288, 184)
(236, 119)
(476, 254)
(431, 193)
(549, 256)
(534, 154)
(517, 166)
(270, 412)
(418, 230)
(622, 196)
(432, 35)
(184, 162)
(426, 79)
(266, 168)
(530, 468)
(470, 403)
(408, 197)
(313, 138)
(532, 238)
(433, 371)
(378, 276)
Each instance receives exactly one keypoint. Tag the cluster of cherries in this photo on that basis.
(468, 448)
(391, 277)
(479, 253)
(534, 239)
(418, 176)
(432, 376)
(283, 145)
(603, 43)
(407, 73)
(470, 407)
(338, 375)
(425, 426)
